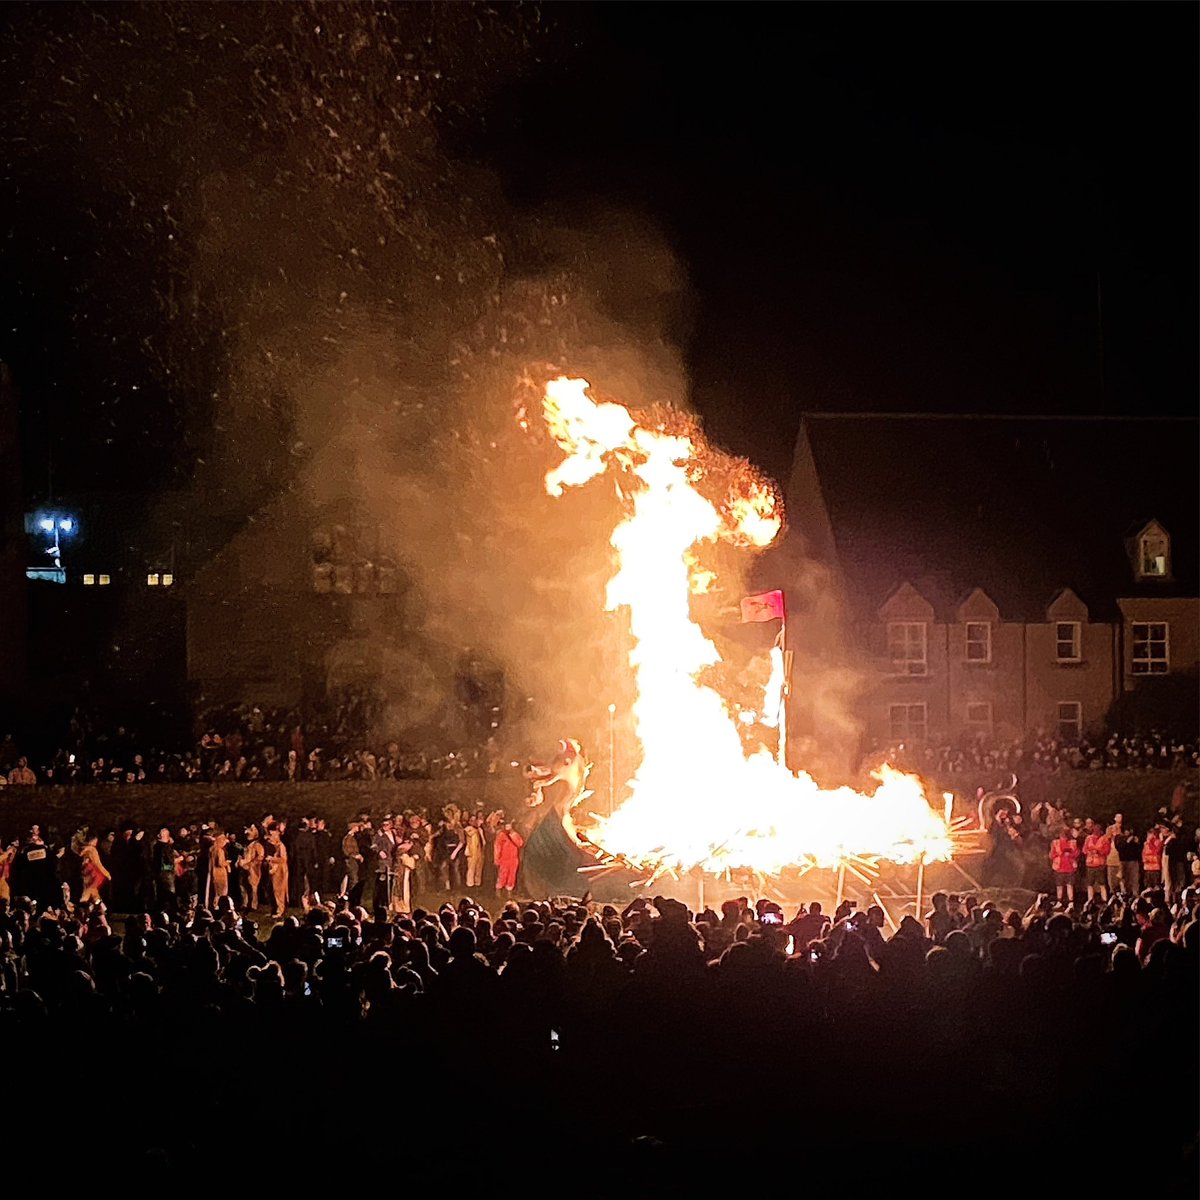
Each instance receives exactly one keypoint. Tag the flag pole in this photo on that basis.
(786, 687)
(769, 606)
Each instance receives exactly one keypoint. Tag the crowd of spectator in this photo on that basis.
(269, 863)
(627, 1037)
(249, 743)
(1055, 851)
(980, 756)
(243, 744)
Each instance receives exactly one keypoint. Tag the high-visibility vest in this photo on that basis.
(1152, 853)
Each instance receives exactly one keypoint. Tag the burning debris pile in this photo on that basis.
(698, 800)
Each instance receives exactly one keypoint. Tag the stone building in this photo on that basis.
(1023, 576)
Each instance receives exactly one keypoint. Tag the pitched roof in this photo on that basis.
(1021, 508)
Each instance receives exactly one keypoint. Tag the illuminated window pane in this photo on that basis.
(1155, 551)
(89, 580)
(168, 579)
(152, 579)
(104, 581)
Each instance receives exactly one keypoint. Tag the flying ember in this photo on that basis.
(697, 799)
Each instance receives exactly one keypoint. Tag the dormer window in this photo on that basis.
(1154, 553)
(1154, 556)
(979, 641)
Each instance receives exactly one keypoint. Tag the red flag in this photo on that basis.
(764, 606)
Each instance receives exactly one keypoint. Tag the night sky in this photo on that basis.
(898, 207)
(910, 208)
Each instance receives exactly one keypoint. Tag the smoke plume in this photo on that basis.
(344, 323)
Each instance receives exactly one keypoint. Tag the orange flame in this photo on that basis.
(697, 800)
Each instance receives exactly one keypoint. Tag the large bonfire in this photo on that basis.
(699, 800)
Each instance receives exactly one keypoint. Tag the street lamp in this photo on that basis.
(612, 757)
(53, 527)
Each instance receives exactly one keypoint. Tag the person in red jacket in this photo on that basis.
(1152, 849)
(1064, 858)
(1096, 846)
(508, 857)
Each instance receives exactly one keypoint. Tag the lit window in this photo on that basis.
(152, 579)
(979, 717)
(168, 579)
(907, 722)
(1154, 556)
(89, 580)
(103, 580)
(979, 641)
(1070, 719)
(47, 523)
(1151, 648)
(1066, 641)
(906, 647)
(66, 524)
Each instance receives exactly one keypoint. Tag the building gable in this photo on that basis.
(906, 604)
(807, 513)
(978, 606)
(1067, 606)
(903, 508)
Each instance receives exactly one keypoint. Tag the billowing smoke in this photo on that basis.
(344, 322)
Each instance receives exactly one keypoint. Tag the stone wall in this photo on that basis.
(150, 805)
(1088, 793)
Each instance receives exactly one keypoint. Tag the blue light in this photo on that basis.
(47, 574)
(66, 524)
(47, 523)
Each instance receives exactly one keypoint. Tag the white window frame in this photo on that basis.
(979, 726)
(1075, 640)
(1076, 721)
(900, 636)
(907, 734)
(1145, 543)
(1146, 663)
(985, 642)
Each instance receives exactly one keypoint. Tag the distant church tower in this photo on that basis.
(824, 734)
